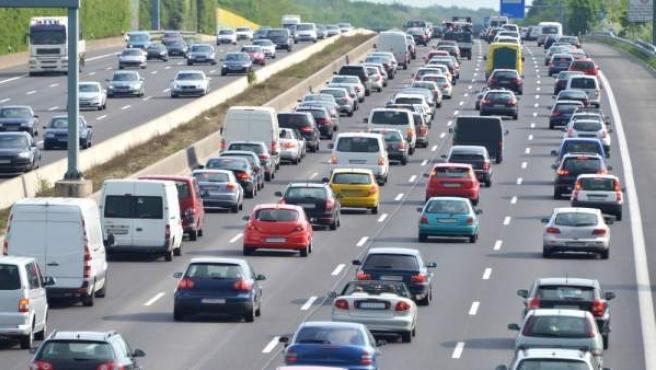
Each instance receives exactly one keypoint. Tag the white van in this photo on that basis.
(252, 124)
(306, 32)
(396, 43)
(143, 216)
(589, 84)
(548, 29)
(64, 235)
(395, 118)
(361, 150)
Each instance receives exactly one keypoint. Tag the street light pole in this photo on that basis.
(155, 15)
(73, 173)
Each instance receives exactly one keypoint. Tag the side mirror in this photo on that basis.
(33, 350)
(325, 180)
(610, 168)
(514, 327)
(375, 46)
(522, 293)
(478, 211)
(610, 130)
(299, 100)
(484, 57)
(332, 294)
(284, 340)
(36, 116)
(246, 218)
(107, 80)
(554, 153)
(443, 156)
(331, 146)
(545, 220)
(365, 120)
(199, 167)
(356, 263)
(426, 175)
(420, 209)
(278, 193)
(44, 127)
(431, 265)
(177, 275)
(138, 353)
(260, 277)
(450, 130)
(48, 281)
(111, 240)
(554, 166)
(89, 126)
(380, 342)
(553, 96)
(506, 133)
(609, 296)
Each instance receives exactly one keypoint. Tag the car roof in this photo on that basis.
(567, 281)
(212, 170)
(245, 152)
(576, 209)
(15, 260)
(245, 142)
(393, 250)
(457, 199)
(358, 134)
(190, 71)
(166, 177)
(289, 207)
(452, 165)
(353, 170)
(209, 259)
(553, 353)
(307, 185)
(331, 324)
(99, 336)
(478, 149)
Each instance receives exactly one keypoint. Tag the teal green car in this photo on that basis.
(448, 217)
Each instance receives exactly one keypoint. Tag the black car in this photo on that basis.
(224, 286)
(18, 152)
(177, 48)
(499, 103)
(580, 294)
(506, 78)
(318, 201)
(573, 165)
(357, 70)
(323, 119)
(236, 62)
(305, 124)
(157, 51)
(399, 264)
(281, 37)
(19, 118)
(242, 169)
(562, 111)
(477, 157)
(261, 33)
(56, 133)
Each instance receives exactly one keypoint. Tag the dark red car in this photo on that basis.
(453, 179)
(191, 203)
(256, 53)
(278, 226)
(587, 66)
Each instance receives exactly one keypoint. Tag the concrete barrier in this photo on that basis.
(29, 184)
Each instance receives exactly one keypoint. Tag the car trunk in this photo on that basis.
(459, 219)
(215, 287)
(311, 205)
(348, 190)
(275, 228)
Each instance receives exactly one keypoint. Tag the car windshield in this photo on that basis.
(447, 206)
(76, 351)
(127, 206)
(232, 164)
(201, 49)
(9, 276)
(214, 271)
(452, 172)
(15, 112)
(552, 364)
(587, 125)
(189, 76)
(132, 52)
(576, 219)
(211, 176)
(262, 42)
(568, 74)
(582, 164)
(276, 215)
(89, 88)
(226, 32)
(387, 117)
(125, 77)
(572, 94)
(499, 96)
(504, 74)
(376, 288)
(277, 33)
(236, 57)
(358, 145)
(597, 183)
(391, 261)
(329, 335)
(352, 179)
(565, 293)
(243, 29)
(407, 100)
(557, 327)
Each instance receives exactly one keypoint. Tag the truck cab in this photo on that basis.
(48, 45)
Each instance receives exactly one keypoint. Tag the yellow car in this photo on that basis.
(355, 188)
(503, 55)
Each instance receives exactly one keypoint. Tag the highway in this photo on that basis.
(47, 94)
(474, 285)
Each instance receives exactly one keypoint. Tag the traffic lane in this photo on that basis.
(630, 81)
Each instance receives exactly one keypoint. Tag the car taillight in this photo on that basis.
(341, 304)
(604, 134)
(373, 190)
(366, 358)
(243, 285)
(409, 133)
(362, 276)
(618, 190)
(511, 103)
(486, 101)
(185, 283)
(418, 278)
(243, 176)
(323, 121)
(306, 129)
(533, 303)
(5, 247)
(274, 147)
(24, 305)
(291, 357)
(401, 146)
(517, 81)
(401, 306)
(424, 220)
(230, 186)
(381, 161)
(167, 233)
(333, 159)
(87, 262)
(598, 307)
(330, 204)
(553, 230)
(491, 80)
(599, 232)
(111, 365)
(562, 172)
(470, 220)
(224, 145)
(190, 215)
(41, 365)
(264, 157)
(555, 113)
(486, 166)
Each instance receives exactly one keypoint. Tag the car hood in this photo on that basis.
(124, 83)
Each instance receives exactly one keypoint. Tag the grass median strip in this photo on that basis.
(141, 156)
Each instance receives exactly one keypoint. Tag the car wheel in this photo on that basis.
(193, 235)
(350, 113)
(556, 194)
(177, 315)
(488, 183)
(404, 161)
(333, 225)
(406, 336)
(499, 158)
(426, 300)
(606, 340)
(305, 251)
(235, 209)
(618, 216)
(258, 312)
(88, 299)
(605, 254)
(41, 335)
(27, 341)
(515, 117)
(546, 253)
(168, 257)
(374, 210)
(250, 315)
(252, 192)
(473, 238)
(103, 291)
(267, 176)
(423, 238)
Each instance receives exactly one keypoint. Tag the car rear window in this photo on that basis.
(582, 164)
(232, 164)
(407, 100)
(575, 219)
(351, 70)
(358, 145)
(316, 113)
(583, 83)
(455, 157)
(587, 125)
(352, 179)
(211, 177)
(255, 148)
(552, 364)
(128, 206)
(391, 261)
(447, 206)
(499, 96)
(390, 117)
(294, 120)
(306, 192)
(276, 215)
(505, 74)
(581, 147)
(565, 293)
(597, 183)
(566, 108)
(329, 336)
(9, 277)
(557, 327)
(452, 172)
(214, 271)
(77, 351)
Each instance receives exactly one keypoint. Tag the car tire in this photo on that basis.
(250, 315)
(406, 337)
(178, 315)
(473, 238)
(350, 113)
(618, 216)
(546, 253)
(605, 254)
(177, 251)
(488, 183)
(41, 335)
(374, 210)
(606, 340)
(234, 209)
(305, 251)
(499, 158)
(380, 89)
(426, 300)
(267, 176)
(168, 256)
(27, 341)
(248, 251)
(252, 193)
(334, 224)
(193, 235)
(515, 117)
(423, 238)
(102, 292)
(556, 194)
(88, 299)
(404, 161)
(474, 202)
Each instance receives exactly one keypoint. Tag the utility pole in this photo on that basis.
(653, 24)
(155, 15)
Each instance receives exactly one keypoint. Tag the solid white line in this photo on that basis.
(412, 178)
(398, 197)
(513, 200)
(424, 162)
(457, 352)
(154, 299)
(524, 164)
(53, 85)
(271, 345)
(5, 100)
(31, 92)
(487, 273)
(236, 237)
(338, 269)
(167, 67)
(474, 308)
(382, 217)
(147, 98)
(53, 108)
(101, 117)
(126, 107)
(309, 303)
(12, 79)
(506, 220)
(519, 180)
(530, 137)
(362, 241)
(645, 302)
(527, 151)
(434, 148)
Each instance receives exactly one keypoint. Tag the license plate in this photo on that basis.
(394, 278)
(308, 205)
(447, 185)
(446, 220)
(566, 307)
(275, 240)
(499, 105)
(372, 305)
(576, 244)
(213, 301)
(357, 161)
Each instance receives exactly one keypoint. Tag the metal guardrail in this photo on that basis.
(643, 47)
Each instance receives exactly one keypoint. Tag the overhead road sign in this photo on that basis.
(513, 8)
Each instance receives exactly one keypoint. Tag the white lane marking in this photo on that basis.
(645, 302)
(449, 123)
(457, 352)
(100, 118)
(538, 81)
(180, 63)
(153, 72)
(537, 96)
(167, 67)
(12, 79)
(100, 57)
(465, 95)
(424, 162)
(513, 200)
(362, 241)
(536, 105)
(474, 308)
(470, 87)
(126, 107)
(520, 180)
(476, 69)
(236, 237)
(461, 103)
(442, 135)
(338, 269)
(530, 137)
(527, 151)
(537, 88)
(166, 90)
(412, 178)
(54, 85)
(506, 220)
(398, 197)
(434, 148)
(92, 73)
(5, 100)
(53, 108)
(31, 92)
(382, 217)
(147, 98)
(532, 124)
(313, 175)
(524, 164)
(212, 70)
(535, 114)
(271, 345)
(309, 303)
(487, 273)
(456, 113)
(154, 299)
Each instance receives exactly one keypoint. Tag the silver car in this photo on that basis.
(551, 358)
(92, 95)
(576, 230)
(292, 146)
(345, 103)
(351, 80)
(268, 47)
(190, 83)
(384, 307)
(132, 57)
(219, 190)
(125, 83)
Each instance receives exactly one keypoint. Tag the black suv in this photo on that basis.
(573, 165)
(18, 152)
(580, 294)
(318, 201)
(305, 124)
(506, 78)
(281, 37)
(356, 70)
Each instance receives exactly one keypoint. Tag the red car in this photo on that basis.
(256, 53)
(586, 66)
(191, 203)
(278, 226)
(453, 180)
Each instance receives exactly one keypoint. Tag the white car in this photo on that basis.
(384, 307)
(92, 95)
(600, 191)
(292, 146)
(244, 33)
(192, 82)
(361, 150)
(226, 36)
(23, 303)
(350, 80)
(578, 230)
(442, 82)
(375, 80)
(132, 57)
(306, 32)
(268, 47)
(594, 128)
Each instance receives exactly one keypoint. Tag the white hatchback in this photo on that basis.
(361, 150)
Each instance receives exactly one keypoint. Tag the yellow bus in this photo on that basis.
(502, 55)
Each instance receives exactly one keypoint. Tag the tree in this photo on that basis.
(582, 15)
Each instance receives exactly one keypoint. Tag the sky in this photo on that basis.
(474, 4)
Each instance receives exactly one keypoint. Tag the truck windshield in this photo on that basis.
(47, 37)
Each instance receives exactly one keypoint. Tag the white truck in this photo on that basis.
(289, 19)
(48, 45)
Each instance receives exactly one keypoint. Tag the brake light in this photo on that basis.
(87, 262)
(5, 243)
(323, 121)
(167, 235)
(555, 113)
(381, 161)
(618, 190)
(333, 159)
(306, 129)
(274, 147)
(291, 357)
(511, 103)
(264, 157)
(533, 303)
(41, 365)
(486, 101)
(486, 166)
(553, 230)
(24, 305)
(492, 80)
(362, 276)
(243, 285)
(418, 278)
(243, 176)
(409, 132)
(110, 366)
(424, 220)
(342, 304)
(366, 359)
(190, 215)
(330, 203)
(402, 306)
(470, 220)
(373, 190)
(598, 307)
(185, 283)
(230, 186)
(599, 232)
(562, 172)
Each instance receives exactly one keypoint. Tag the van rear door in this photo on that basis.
(117, 212)
(483, 131)
(150, 221)
(27, 233)
(65, 246)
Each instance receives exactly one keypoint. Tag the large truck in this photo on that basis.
(48, 47)
(460, 30)
(289, 19)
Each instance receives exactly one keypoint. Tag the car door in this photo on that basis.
(149, 215)
(36, 294)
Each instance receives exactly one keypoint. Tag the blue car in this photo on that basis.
(448, 216)
(577, 145)
(339, 344)
(56, 133)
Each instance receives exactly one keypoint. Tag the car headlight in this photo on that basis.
(24, 155)
(176, 85)
(24, 124)
(50, 134)
(224, 66)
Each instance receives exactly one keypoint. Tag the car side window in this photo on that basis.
(33, 277)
